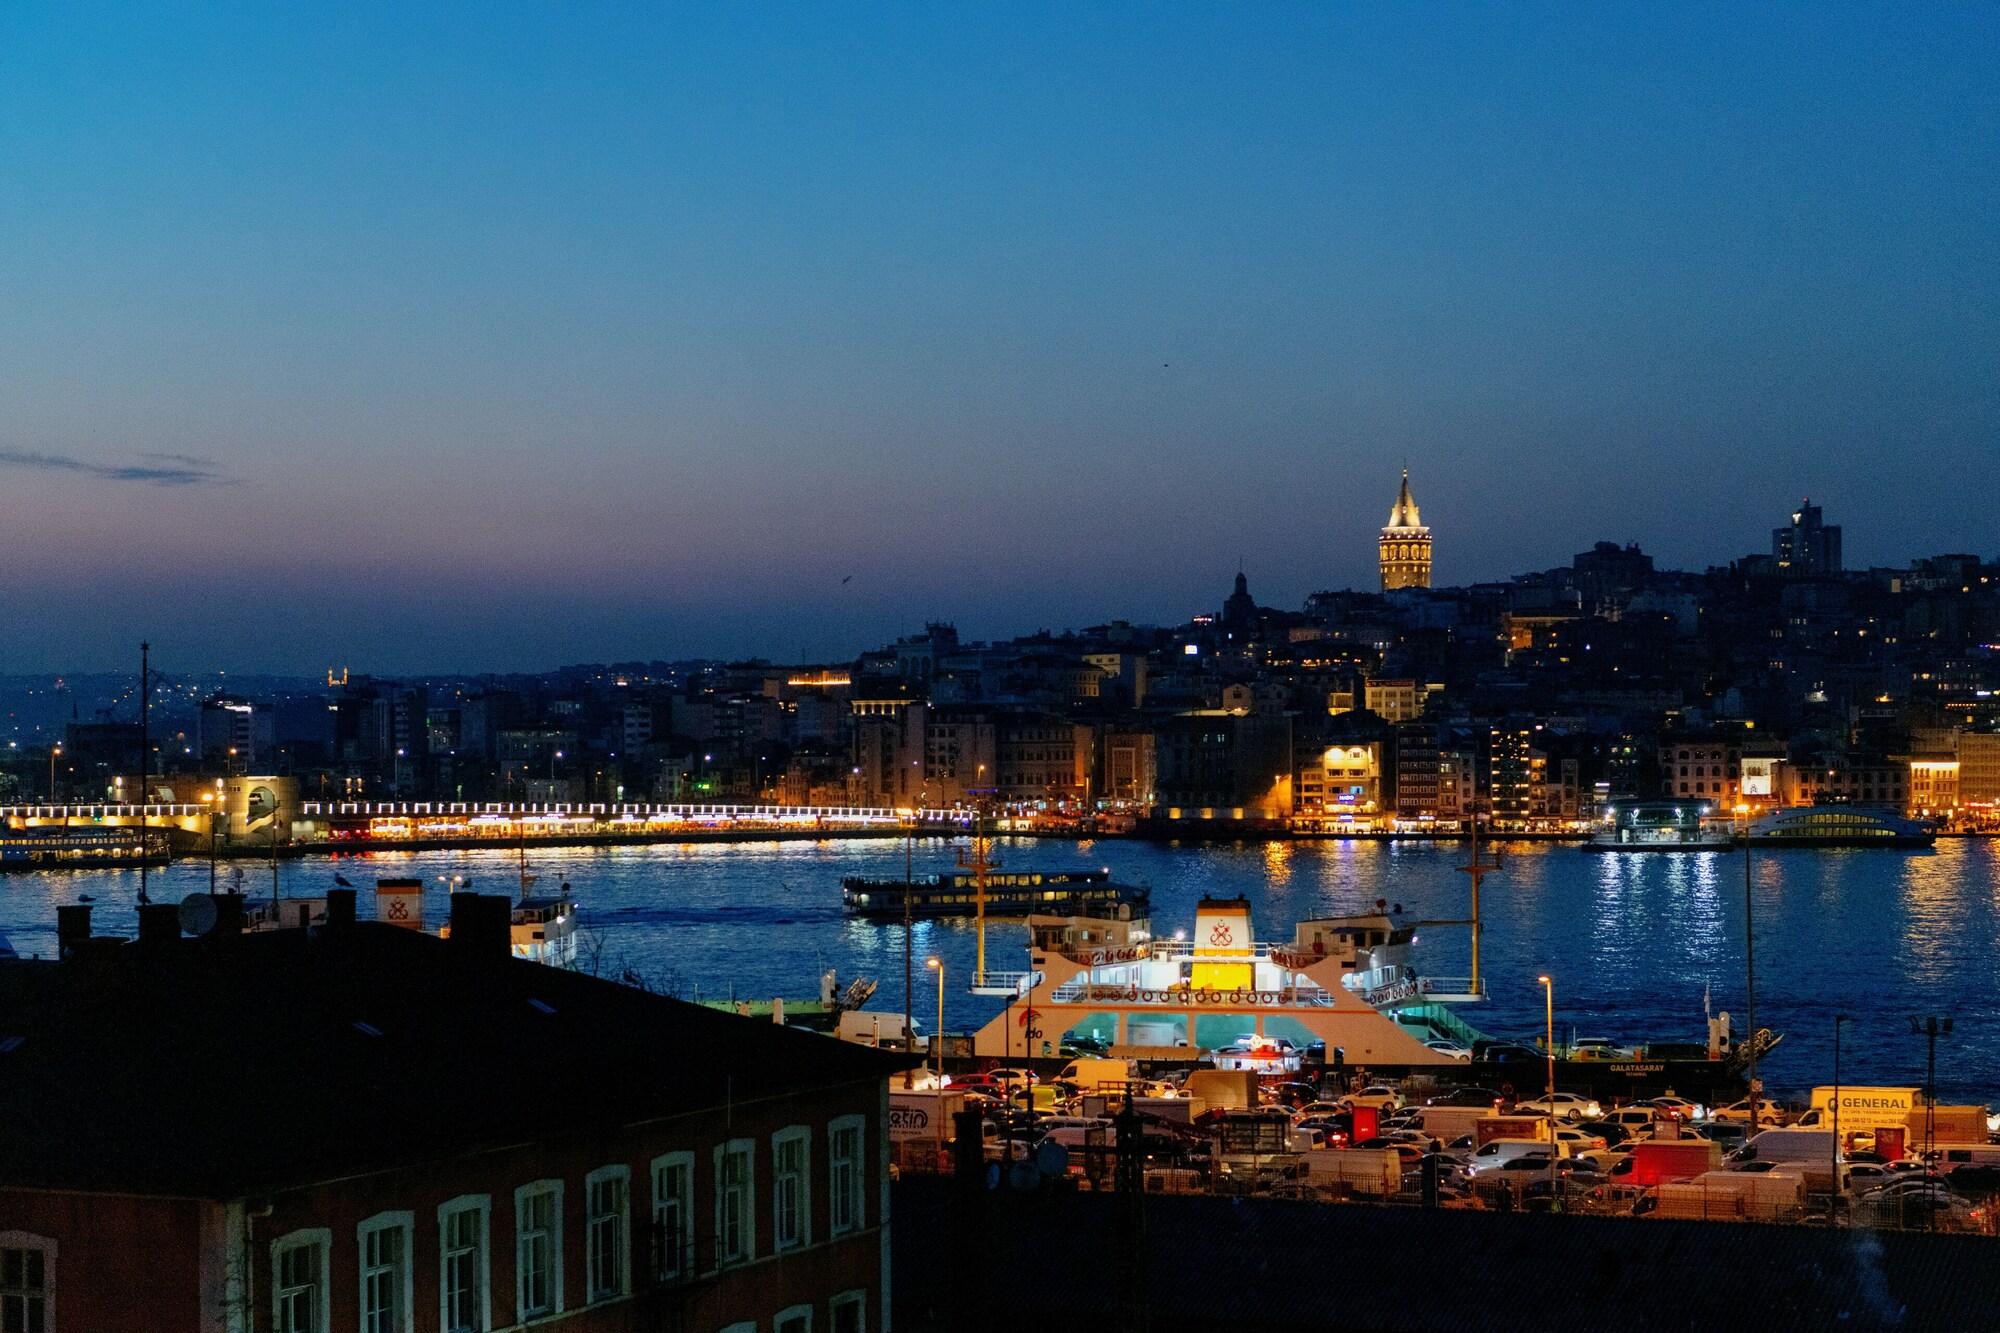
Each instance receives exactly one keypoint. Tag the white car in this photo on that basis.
(1450, 1048)
(1564, 1106)
(1378, 1095)
(1768, 1112)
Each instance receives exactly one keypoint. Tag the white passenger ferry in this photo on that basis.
(1345, 982)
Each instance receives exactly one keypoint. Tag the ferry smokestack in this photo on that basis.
(339, 908)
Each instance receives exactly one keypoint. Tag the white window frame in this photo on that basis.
(856, 1298)
(784, 1138)
(748, 1254)
(676, 1252)
(804, 1312)
(552, 1187)
(834, 1160)
(46, 1245)
(321, 1239)
(623, 1175)
(405, 1222)
(483, 1205)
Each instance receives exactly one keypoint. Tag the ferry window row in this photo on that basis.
(387, 1244)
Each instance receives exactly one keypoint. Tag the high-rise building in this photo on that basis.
(1808, 545)
(1406, 545)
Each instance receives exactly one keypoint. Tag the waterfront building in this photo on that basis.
(1213, 764)
(1405, 546)
(364, 1126)
(1341, 782)
(1707, 770)
(1979, 769)
(1807, 545)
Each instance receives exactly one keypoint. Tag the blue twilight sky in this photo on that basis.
(502, 335)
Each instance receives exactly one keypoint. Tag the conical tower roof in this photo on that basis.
(1405, 515)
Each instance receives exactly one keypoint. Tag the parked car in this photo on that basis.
(1610, 1131)
(1680, 1108)
(1563, 1105)
(1768, 1112)
(1637, 1121)
(1597, 1048)
(1378, 1095)
(1445, 1046)
(1466, 1097)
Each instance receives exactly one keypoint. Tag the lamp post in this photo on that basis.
(1931, 1029)
(208, 798)
(909, 979)
(937, 1038)
(1838, 1019)
(55, 753)
(1549, 997)
(1749, 974)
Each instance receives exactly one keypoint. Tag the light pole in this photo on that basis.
(1931, 1029)
(1749, 974)
(937, 1038)
(1838, 1019)
(1549, 997)
(214, 808)
(55, 753)
(909, 976)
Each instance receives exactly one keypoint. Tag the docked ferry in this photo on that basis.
(59, 846)
(1839, 826)
(1008, 893)
(1345, 984)
(1660, 826)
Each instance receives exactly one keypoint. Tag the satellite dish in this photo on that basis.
(197, 914)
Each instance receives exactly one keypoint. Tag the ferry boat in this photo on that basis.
(1660, 826)
(543, 930)
(57, 846)
(1839, 826)
(1008, 893)
(1346, 984)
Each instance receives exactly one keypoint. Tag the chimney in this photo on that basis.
(339, 908)
(159, 923)
(482, 925)
(72, 927)
(228, 915)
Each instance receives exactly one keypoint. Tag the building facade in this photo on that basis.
(423, 1137)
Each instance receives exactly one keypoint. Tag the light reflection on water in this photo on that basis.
(1631, 938)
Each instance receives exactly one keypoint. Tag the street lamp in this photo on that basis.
(1838, 1019)
(1749, 972)
(1549, 996)
(55, 753)
(937, 1038)
(208, 798)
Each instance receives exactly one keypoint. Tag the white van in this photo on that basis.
(1495, 1151)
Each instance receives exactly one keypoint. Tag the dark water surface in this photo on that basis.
(1632, 939)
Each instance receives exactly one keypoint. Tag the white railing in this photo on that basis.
(1200, 997)
(1004, 983)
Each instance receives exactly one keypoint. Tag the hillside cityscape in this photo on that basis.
(1777, 679)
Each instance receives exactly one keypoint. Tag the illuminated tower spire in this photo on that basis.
(1406, 544)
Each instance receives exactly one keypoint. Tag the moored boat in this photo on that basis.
(1008, 893)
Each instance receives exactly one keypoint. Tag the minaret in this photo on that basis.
(1406, 545)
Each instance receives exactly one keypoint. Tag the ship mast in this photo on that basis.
(1478, 868)
(979, 862)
